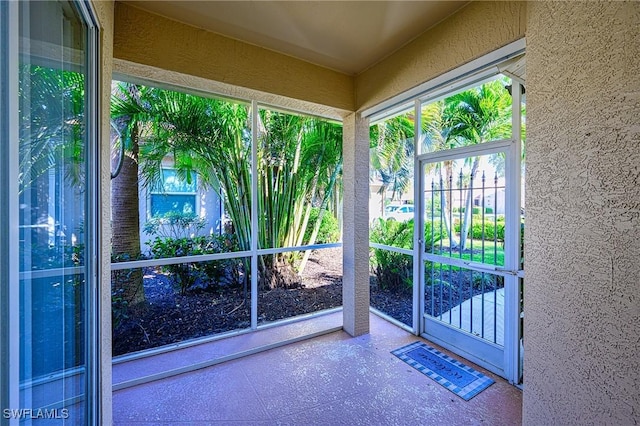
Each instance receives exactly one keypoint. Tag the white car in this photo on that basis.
(400, 213)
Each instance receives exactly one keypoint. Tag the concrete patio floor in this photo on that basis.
(333, 379)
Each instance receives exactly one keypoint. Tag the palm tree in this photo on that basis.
(127, 115)
(207, 137)
(54, 127)
(298, 165)
(391, 155)
(477, 115)
(51, 153)
(212, 138)
(324, 149)
(437, 136)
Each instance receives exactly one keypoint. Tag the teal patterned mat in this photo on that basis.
(458, 378)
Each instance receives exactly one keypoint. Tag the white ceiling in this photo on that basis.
(347, 36)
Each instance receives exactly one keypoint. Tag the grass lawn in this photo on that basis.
(493, 252)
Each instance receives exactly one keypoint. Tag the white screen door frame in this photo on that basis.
(503, 359)
(502, 356)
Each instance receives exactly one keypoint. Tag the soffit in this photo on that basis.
(347, 36)
(515, 68)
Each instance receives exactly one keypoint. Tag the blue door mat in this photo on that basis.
(458, 378)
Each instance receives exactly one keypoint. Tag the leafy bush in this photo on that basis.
(329, 230)
(175, 225)
(119, 307)
(392, 233)
(489, 232)
(394, 271)
(474, 210)
(174, 237)
(120, 279)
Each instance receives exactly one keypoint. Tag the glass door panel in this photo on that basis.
(54, 187)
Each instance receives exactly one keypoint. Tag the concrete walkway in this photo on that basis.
(487, 306)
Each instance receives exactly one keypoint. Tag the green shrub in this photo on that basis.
(474, 210)
(392, 233)
(119, 307)
(329, 230)
(489, 232)
(174, 237)
(186, 276)
(394, 271)
(175, 225)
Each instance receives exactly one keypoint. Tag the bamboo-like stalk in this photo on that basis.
(316, 228)
(208, 136)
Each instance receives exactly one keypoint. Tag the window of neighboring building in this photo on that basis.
(175, 195)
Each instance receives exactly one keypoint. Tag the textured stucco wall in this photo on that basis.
(104, 13)
(477, 29)
(172, 79)
(355, 214)
(150, 39)
(582, 240)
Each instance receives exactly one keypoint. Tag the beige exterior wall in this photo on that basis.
(104, 12)
(149, 39)
(355, 214)
(477, 29)
(190, 83)
(582, 245)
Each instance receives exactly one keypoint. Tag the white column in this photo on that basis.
(512, 242)
(355, 210)
(254, 214)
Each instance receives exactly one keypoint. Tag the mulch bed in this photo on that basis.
(168, 317)
(396, 304)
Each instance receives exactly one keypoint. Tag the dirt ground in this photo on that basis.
(169, 317)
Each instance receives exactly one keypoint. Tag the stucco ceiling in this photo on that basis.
(347, 36)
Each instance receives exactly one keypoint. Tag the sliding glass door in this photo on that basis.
(50, 238)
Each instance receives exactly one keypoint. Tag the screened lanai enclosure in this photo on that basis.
(225, 216)
(454, 267)
(253, 206)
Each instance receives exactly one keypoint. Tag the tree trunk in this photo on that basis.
(125, 235)
(275, 271)
(468, 209)
(447, 202)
